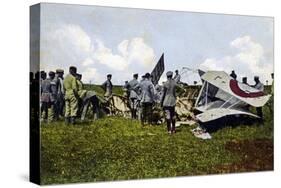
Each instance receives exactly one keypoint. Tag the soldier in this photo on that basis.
(107, 87)
(233, 75)
(271, 101)
(272, 84)
(259, 86)
(168, 102)
(47, 98)
(71, 96)
(54, 91)
(60, 93)
(133, 87)
(82, 95)
(177, 77)
(44, 98)
(147, 95)
(244, 81)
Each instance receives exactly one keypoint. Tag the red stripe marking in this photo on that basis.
(238, 91)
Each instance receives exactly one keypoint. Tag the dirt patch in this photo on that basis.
(255, 155)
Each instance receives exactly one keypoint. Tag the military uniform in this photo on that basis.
(133, 87)
(147, 96)
(71, 97)
(48, 97)
(169, 102)
(54, 91)
(107, 87)
(81, 92)
(59, 105)
(259, 86)
(177, 78)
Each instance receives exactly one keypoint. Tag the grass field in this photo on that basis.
(114, 148)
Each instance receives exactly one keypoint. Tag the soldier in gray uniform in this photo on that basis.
(48, 97)
(133, 87)
(177, 77)
(169, 102)
(60, 94)
(54, 92)
(107, 87)
(147, 95)
(259, 86)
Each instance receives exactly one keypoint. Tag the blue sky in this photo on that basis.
(122, 41)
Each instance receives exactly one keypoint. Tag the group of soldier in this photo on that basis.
(66, 97)
(259, 86)
(143, 95)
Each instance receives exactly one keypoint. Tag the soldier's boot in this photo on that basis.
(72, 120)
(168, 126)
(67, 120)
(173, 126)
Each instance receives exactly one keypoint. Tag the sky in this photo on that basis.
(122, 41)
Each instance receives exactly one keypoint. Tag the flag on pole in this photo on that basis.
(158, 70)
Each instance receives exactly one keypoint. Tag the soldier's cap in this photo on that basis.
(109, 75)
(169, 73)
(72, 68)
(59, 71)
(147, 75)
(51, 73)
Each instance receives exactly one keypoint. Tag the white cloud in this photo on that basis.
(68, 44)
(75, 35)
(88, 61)
(92, 75)
(250, 60)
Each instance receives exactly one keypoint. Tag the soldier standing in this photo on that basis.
(259, 86)
(60, 94)
(107, 87)
(81, 93)
(177, 77)
(45, 87)
(48, 96)
(233, 75)
(133, 87)
(169, 102)
(271, 101)
(244, 81)
(71, 96)
(53, 96)
(147, 95)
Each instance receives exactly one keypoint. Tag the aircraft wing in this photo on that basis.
(241, 91)
(216, 113)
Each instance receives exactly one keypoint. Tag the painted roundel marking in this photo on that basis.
(233, 84)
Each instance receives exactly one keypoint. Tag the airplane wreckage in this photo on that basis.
(219, 96)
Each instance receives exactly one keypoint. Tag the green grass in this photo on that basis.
(114, 148)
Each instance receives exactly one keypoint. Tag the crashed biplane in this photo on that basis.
(221, 95)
